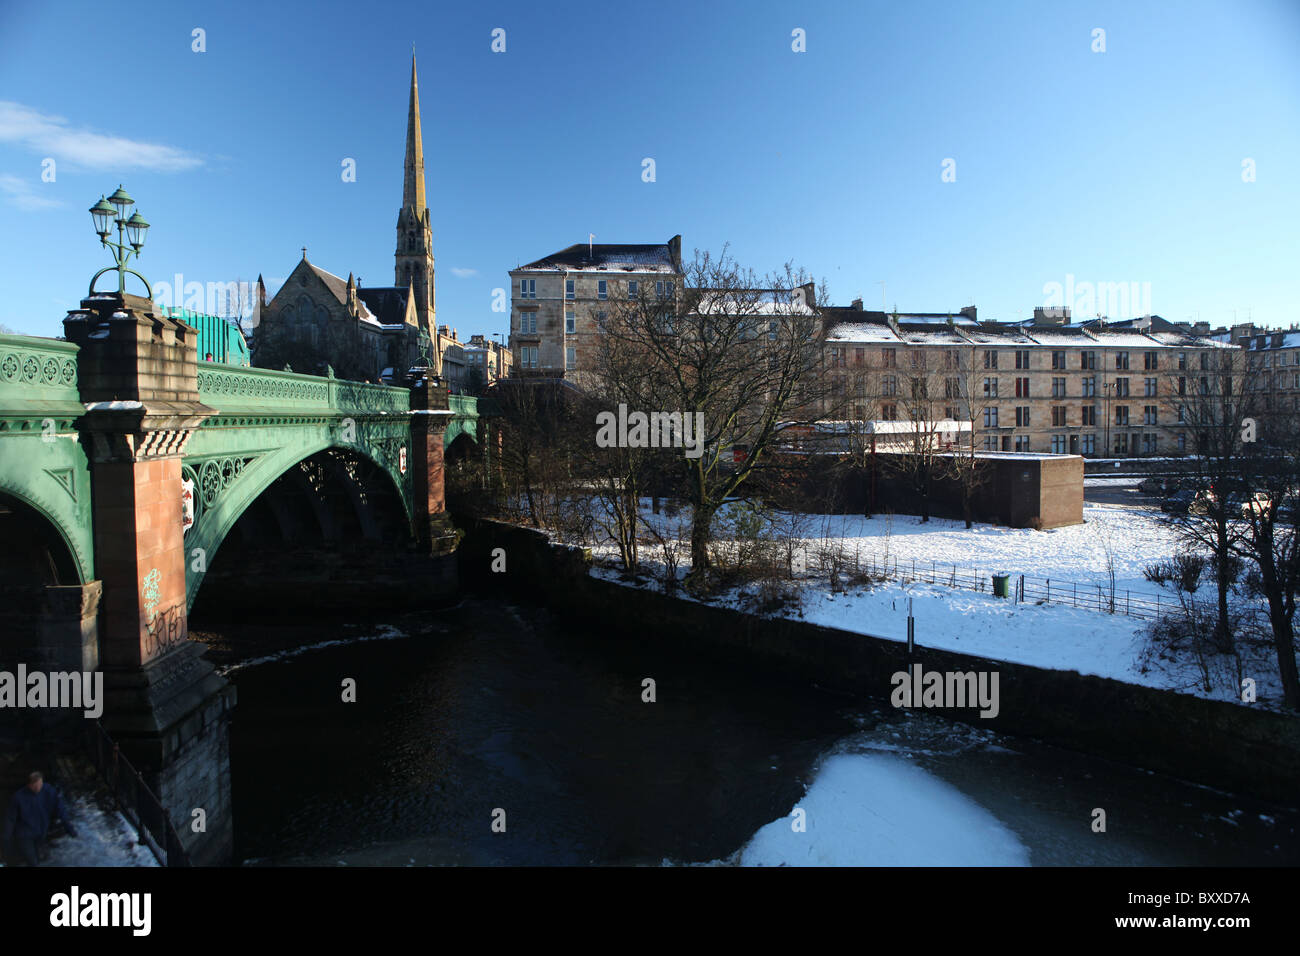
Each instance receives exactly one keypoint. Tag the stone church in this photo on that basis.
(319, 319)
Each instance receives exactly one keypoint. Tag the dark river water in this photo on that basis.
(496, 711)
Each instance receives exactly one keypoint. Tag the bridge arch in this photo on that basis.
(35, 549)
(285, 486)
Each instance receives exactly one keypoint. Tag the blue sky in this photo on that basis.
(1115, 166)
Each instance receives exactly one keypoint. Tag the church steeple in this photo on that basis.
(414, 256)
(413, 186)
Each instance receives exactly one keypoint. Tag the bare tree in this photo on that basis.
(1212, 401)
(740, 355)
(962, 389)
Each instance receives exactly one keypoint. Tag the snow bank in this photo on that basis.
(878, 810)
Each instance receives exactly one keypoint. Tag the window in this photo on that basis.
(1022, 416)
(1090, 444)
(1058, 444)
(1121, 388)
(1058, 388)
(633, 288)
(1089, 416)
(1022, 388)
(1149, 386)
(889, 385)
(953, 360)
(528, 322)
(602, 288)
(570, 357)
(837, 357)
(1121, 444)
(1150, 444)
(1182, 441)
(528, 356)
(1022, 358)
(527, 288)
(1090, 387)
(1058, 415)
(889, 413)
(952, 388)
(951, 412)
(1121, 360)
(1022, 443)
(568, 288)
(1205, 361)
(859, 356)
(601, 319)
(1205, 386)
(1121, 414)
(570, 322)
(1150, 361)
(664, 290)
(889, 358)
(1182, 361)
(990, 358)
(990, 442)
(1087, 360)
(917, 358)
(1149, 415)
(991, 387)
(1058, 360)
(1182, 385)
(990, 418)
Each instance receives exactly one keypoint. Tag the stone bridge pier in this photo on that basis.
(165, 704)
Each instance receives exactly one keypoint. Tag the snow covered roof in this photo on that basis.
(611, 257)
(861, 332)
(744, 302)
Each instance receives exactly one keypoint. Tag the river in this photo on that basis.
(493, 712)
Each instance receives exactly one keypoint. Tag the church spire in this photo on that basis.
(413, 186)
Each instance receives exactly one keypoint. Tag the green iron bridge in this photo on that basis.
(339, 444)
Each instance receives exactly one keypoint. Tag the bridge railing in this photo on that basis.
(134, 798)
(223, 387)
(37, 369)
(463, 405)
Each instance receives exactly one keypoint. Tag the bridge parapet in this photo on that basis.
(226, 387)
(37, 377)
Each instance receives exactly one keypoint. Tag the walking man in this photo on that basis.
(31, 809)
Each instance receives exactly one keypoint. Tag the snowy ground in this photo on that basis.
(1053, 636)
(104, 838)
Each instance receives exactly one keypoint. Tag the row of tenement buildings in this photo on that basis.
(1043, 385)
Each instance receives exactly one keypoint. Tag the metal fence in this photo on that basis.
(1023, 589)
(134, 799)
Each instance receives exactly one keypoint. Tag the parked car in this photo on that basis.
(1179, 503)
(1262, 501)
(1156, 485)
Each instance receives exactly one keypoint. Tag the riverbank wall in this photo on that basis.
(1224, 745)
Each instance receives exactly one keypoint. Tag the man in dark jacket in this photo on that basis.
(31, 809)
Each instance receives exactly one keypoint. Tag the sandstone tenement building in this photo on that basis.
(557, 302)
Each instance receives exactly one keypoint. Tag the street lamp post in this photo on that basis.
(112, 210)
